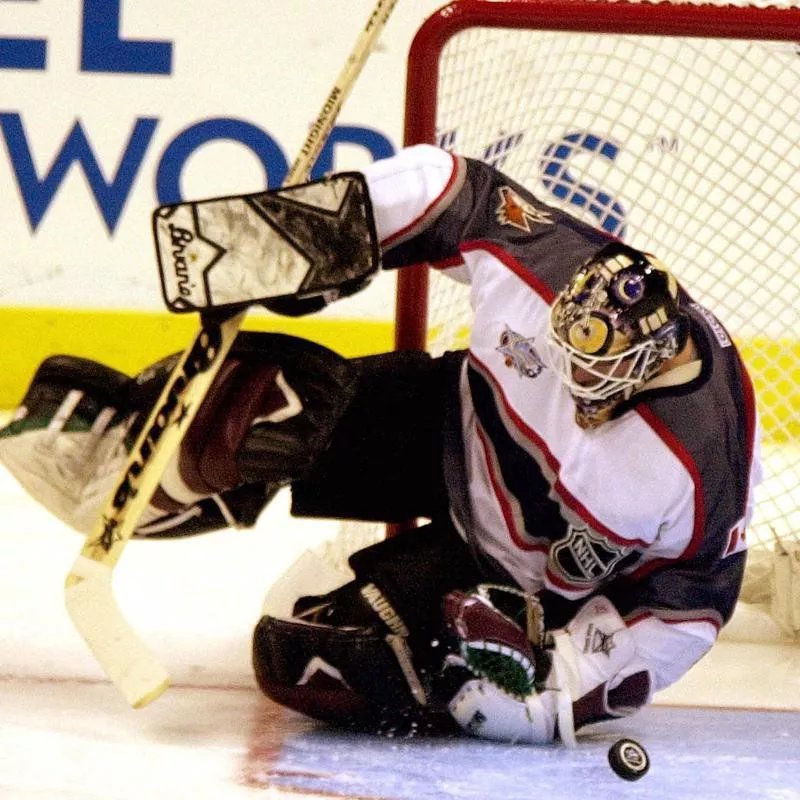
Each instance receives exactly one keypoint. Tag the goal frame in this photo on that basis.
(580, 16)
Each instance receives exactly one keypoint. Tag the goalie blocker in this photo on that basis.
(293, 249)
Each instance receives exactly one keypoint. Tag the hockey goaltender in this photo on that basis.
(585, 467)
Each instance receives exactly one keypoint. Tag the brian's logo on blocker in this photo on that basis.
(520, 353)
(188, 253)
(181, 239)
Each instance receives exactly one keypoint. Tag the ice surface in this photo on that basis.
(66, 733)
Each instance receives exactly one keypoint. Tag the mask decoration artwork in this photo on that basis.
(612, 328)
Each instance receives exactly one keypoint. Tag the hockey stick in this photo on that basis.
(125, 658)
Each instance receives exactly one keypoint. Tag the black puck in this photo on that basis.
(628, 759)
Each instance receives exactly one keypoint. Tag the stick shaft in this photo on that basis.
(323, 125)
(126, 659)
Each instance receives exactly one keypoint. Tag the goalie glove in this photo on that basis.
(502, 694)
(261, 425)
(512, 689)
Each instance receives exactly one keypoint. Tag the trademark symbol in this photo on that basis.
(664, 143)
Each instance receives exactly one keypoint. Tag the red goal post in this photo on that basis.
(674, 125)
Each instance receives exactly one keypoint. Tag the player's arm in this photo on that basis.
(673, 607)
(429, 203)
(425, 203)
(268, 415)
(676, 612)
(521, 686)
(408, 194)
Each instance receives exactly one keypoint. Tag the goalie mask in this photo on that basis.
(612, 328)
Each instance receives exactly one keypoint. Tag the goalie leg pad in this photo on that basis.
(412, 572)
(236, 508)
(281, 446)
(382, 633)
(268, 415)
(70, 438)
(346, 675)
(67, 436)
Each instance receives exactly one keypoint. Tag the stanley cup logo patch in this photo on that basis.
(519, 352)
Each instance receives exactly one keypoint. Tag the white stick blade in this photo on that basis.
(129, 663)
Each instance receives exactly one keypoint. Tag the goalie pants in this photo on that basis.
(385, 460)
(385, 463)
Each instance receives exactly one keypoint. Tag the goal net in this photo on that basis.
(670, 127)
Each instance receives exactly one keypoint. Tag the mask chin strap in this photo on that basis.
(676, 376)
(588, 419)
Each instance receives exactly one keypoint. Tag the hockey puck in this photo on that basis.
(628, 759)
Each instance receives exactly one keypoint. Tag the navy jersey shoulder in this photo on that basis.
(710, 423)
(489, 208)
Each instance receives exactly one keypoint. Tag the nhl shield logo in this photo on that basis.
(584, 557)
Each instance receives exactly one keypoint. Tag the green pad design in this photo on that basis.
(514, 677)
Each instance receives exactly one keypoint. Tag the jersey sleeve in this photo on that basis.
(431, 206)
(676, 612)
(410, 192)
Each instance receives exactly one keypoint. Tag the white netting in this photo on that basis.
(685, 147)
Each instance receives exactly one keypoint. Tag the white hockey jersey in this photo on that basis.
(650, 508)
